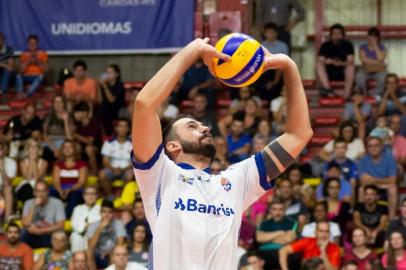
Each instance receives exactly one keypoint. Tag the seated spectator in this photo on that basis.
(357, 109)
(138, 218)
(372, 55)
(81, 260)
(399, 141)
(8, 170)
(41, 217)
(88, 133)
(265, 129)
(13, 253)
(33, 168)
(371, 216)
(279, 111)
(21, 127)
(250, 118)
(394, 98)
(222, 150)
(350, 265)
(398, 224)
(238, 104)
(336, 61)
(33, 66)
(344, 191)
(255, 261)
(379, 168)
(120, 261)
(116, 157)
(82, 216)
(58, 125)
(201, 113)
(81, 87)
(216, 167)
(359, 252)
(139, 246)
(112, 97)
(258, 143)
(6, 63)
(239, 144)
(104, 234)
(301, 191)
(295, 208)
(319, 246)
(58, 257)
(383, 132)
(274, 233)
(355, 145)
(395, 256)
(320, 214)
(69, 176)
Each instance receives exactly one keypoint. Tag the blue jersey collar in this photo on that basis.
(190, 167)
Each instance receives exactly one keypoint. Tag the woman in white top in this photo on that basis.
(355, 146)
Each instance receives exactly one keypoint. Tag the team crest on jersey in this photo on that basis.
(225, 183)
(185, 179)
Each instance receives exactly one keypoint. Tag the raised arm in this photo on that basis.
(280, 153)
(146, 134)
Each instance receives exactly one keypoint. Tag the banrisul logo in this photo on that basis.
(192, 205)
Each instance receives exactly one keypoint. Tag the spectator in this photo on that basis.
(279, 12)
(350, 265)
(116, 157)
(394, 98)
(138, 218)
(33, 168)
(88, 133)
(81, 261)
(336, 61)
(265, 129)
(216, 167)
(69, 176)
(399, 141)
(255, 261)
(8, 170)
(357, 110)
(238, 104)
(372, 55)
(320, 246)
(378, 167)
(21, 127)
(342, 189)
(359, 252)
(295, 208)
(139, 245)
(399, 223)
(58, 257)
(301, 190)
(13, 253)
(6, 64)
(382, 131)
(395, 256)
(42, 216)
(33, 66)
(250, 118)
(320, 214)
(355, 146)
(274, 233)
(313, 264)
(258, 143)
(371, 216)
(82, 216)
(200, 113)
(104, 234)
(239, 144)
(120, 260)
(222, 150)
(112, 97)
(279, 112)
(58, 125)
(81, 87)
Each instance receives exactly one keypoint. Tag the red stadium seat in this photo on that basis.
(331, 101)
(18, 104)
(230, 20)
(326, 120)
(320, 139)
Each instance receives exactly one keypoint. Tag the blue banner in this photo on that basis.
(92, 26)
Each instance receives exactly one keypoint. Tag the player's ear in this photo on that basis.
(173, 147)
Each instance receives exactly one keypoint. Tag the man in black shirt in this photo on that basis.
(371, 216)
(6, 64)
(336, 61)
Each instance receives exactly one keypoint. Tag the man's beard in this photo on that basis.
(208, 150)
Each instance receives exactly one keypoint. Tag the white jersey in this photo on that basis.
(195, 217)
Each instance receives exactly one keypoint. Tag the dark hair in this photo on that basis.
(345, 124)
(117, 70)
(321, 203)
(13, 224)
(361, 229)
(137, 201)
(81, 107)
(370, 138)
(312, 263)
(333, 164)
(168, 133)
(374, 31)
(270, 25)
(403, 200)
(76, 154)
(394, 75)
(33, 36)
(80, 63)
(391, 259)
(106, 203)
(372, 187)
(356, 90)
(276, 200)
(253, 252)
(279, 182)
(327, 183)
(351, 262)
(339, 27)
(145, 243)
(124, 119)
(339, 140)
(293, 167)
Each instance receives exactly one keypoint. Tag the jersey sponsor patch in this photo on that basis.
(192, 205)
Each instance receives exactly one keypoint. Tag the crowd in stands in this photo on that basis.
(68, 163)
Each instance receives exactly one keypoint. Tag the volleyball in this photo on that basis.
(247, 60)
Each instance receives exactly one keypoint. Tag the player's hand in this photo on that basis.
(208, 53)
(276, 61)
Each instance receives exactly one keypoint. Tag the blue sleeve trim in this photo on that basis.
(262, 172)
(147, 165)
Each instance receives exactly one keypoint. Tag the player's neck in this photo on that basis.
(197, 161)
